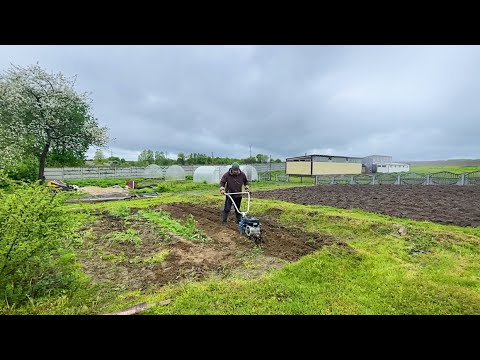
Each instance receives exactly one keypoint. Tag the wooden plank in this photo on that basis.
(139, 308)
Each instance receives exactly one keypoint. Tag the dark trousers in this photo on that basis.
(228, 207)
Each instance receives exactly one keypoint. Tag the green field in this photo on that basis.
(424, 169)
(369, 269)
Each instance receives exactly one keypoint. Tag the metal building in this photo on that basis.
(311, 165)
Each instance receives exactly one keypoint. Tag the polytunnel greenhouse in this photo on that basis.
(250, 171)
(174, 172)
(153, 171)
(210, 174)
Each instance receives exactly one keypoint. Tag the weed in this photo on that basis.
(157, 258)
(128, 237)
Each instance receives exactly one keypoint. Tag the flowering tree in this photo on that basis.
(10, 151)
(41, 111)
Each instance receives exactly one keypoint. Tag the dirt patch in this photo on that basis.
(99, 191)
(452, 205)
(227, 252)
(277, 240)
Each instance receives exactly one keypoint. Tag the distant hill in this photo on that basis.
(452, 162)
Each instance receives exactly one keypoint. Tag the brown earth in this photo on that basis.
(449, 204)
(227, 251)
(96, 190)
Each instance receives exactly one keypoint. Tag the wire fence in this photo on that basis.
(439, 178)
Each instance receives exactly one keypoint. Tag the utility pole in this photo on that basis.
(250, 152)
(212, 157)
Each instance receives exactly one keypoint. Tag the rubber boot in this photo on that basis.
(224, 217)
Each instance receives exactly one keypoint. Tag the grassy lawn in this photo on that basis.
(434, 269)
(370, 269)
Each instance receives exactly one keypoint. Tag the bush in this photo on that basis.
(165, 187)
(36, 240)
(27, 170)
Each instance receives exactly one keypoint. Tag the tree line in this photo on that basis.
(147, 157)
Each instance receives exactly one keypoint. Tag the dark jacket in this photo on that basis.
(233, 183)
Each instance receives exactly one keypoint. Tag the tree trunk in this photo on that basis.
(43, 159)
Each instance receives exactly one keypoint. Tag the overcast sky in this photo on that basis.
(409, 102)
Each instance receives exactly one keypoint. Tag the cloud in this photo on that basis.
(409, 102)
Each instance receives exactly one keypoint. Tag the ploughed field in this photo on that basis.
(444, 204)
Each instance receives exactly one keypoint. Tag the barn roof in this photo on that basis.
(308, 157)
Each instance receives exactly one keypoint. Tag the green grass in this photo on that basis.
(101, 182)
(187, 229)
(433, 269)
(157, 258)
(186, 185)
(120, 209)
(299, 180)
(113, 257)
(332, 281)
(128, 237)
(434, 169)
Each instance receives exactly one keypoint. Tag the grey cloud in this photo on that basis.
(410, 102)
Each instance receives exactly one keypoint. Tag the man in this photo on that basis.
(232, 182)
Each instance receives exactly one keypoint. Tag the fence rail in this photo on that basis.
(440, 178)
(102, 172)
(264, 172)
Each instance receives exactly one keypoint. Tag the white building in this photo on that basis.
(392, 167)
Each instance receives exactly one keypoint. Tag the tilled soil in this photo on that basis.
(226, 252)
(443, 204)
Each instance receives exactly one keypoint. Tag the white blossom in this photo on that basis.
(39, 111)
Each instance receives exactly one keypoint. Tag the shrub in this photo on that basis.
(26, 170)
(36, 240)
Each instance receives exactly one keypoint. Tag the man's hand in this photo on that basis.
(247, 189)
(222, 190)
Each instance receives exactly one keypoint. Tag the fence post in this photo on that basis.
(397, 182)
(462, 179)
